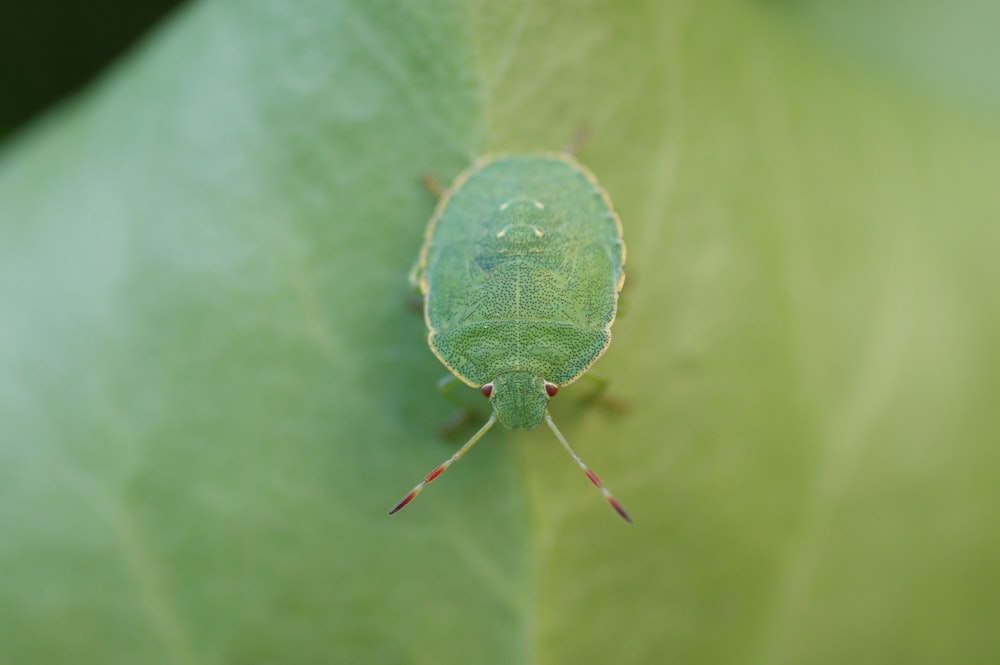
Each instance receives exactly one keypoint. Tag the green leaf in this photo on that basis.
(212, 388)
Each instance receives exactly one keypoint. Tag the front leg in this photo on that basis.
(600, 396)
(465, 413)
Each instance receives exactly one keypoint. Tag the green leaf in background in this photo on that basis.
(211, 387)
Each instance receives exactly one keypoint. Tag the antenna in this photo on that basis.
(440, 468)
(590, 474)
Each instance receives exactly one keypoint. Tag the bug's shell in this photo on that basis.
(521, 268)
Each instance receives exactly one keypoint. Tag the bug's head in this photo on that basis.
(519, 399)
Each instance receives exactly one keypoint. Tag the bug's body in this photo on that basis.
(520, 271)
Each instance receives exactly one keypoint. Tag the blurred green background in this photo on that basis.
(212, 388)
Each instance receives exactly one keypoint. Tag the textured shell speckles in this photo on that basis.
(521, 270)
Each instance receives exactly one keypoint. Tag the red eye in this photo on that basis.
(551, 389)
(487, 390)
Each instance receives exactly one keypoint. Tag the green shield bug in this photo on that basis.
(520, 271)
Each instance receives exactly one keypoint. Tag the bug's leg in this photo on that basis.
(416, 299)
(440, 468)
(446, 386)
(600, 396)
(414, 277)
(432, 185)
(576, 142)
(600, 384)
(590, 474)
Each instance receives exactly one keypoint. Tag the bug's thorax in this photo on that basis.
(519, 400)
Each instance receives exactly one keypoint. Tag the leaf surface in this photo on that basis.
(212, 388)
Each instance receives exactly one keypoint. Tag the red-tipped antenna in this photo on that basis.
(590, 474)
(440, 468)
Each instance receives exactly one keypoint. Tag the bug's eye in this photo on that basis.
(487, 390)
(551, 389)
